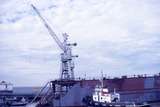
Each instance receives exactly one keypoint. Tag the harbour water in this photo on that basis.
(31, 105)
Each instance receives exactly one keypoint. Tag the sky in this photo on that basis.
(118, 37)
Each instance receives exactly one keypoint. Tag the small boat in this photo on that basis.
(18, 104)
(103, 95)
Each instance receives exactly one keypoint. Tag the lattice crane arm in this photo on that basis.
(51, 32)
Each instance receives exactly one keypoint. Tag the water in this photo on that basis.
(31, 105)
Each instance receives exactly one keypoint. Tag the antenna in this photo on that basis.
(102, 79)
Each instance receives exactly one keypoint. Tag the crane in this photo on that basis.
(67, 63)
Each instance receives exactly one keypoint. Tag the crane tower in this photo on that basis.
(67, 63)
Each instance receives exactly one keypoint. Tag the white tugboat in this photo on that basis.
(102, 95)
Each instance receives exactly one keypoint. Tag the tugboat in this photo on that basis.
(102, 97)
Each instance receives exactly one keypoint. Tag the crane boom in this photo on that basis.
(51, 32)
(67, 63)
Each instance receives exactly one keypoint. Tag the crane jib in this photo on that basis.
(67, 63)
(52, 33)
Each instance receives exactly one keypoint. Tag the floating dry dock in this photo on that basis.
(137, 89)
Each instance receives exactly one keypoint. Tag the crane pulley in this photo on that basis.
(67, 63)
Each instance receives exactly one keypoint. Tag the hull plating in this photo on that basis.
(136, 89)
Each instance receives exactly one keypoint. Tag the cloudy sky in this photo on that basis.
(120, 37)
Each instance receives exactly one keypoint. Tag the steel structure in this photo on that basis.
(67, 63)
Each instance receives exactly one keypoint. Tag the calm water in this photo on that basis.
(31, 105)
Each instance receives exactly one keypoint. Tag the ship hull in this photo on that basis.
(136, 89)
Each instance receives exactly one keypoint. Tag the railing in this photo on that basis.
(114, 77)
(45, 94)
(47, 97)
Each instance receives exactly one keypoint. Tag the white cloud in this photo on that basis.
(120, 37)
